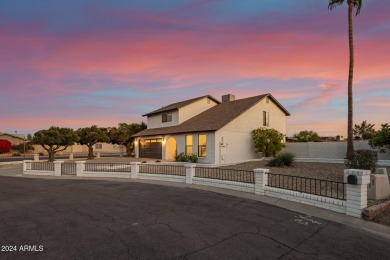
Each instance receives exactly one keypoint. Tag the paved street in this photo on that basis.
(90, 219)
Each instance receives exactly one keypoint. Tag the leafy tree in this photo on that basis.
(89, 136)
(364, 131)
(307, 136)
(381, 139)
(267, 141)
(55, 139)
(29, 137)
(351, 5)
(5, 146)
(123, 135)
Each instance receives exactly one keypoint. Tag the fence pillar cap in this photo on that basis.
(80, 162)
(189, 165)
(27, 160)
(260, 170)
(360, 174)
(58, 161)
(134, 162)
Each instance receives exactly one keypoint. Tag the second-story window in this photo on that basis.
(167, 117)
(265, 118)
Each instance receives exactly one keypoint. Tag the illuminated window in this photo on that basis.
(167, 117)
(265, 118)
(188, 144)
(202, 143)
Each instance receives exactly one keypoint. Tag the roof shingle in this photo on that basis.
(212, 119)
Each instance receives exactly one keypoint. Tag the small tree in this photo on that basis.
(55, 139)
(364, 131)
(307, 136)
(381, 139)
(267, 141)
(5, 146)
(89, 136)
(123, 135)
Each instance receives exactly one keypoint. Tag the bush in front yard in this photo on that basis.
(364, 160)
(5, 146)
(281, 160)
(182, 157)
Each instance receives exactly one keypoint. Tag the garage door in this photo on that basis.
(150, 148)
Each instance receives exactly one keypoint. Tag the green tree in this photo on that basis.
(307, 136)
(267, 141)
(89, 136)
(381, 139)
(55, 139)
(351, 5)
(123, 135)
(364, 131)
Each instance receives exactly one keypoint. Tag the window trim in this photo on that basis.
(265, 118)
(168, 117)
(201, 146)
(189, 145)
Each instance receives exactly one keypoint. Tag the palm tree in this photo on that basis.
(351, 5)
(364, 131)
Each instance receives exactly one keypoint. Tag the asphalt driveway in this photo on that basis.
(90, 219)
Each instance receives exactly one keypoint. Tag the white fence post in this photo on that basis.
(80, 168)
(134, 170)
(36, 157)
(190, 172)
(356, 194)
(25, 162)
(57, 168)
(261, 179)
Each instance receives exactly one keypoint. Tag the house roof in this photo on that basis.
(180, 104)
(212, 119)
(20, 136)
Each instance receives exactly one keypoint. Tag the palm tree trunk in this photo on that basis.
(350, 149)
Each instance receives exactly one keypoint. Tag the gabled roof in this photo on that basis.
(212, 119)
(180, 104)
(20, 136)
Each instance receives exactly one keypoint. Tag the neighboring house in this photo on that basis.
(15, 139)
(217, 132)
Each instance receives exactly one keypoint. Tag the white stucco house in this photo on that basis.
(218, 132)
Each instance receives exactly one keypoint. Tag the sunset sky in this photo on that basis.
(76, 63)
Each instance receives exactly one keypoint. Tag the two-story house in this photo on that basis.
(218, 132)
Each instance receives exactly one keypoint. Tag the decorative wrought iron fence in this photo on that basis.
(162, 169)
(107, 167)
(40, 166)
(68, 169)
(225, 174)
(325, 188)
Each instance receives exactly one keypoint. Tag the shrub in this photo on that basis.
(182, 157)
(192, 157)
(267, 141)
(21, 148)
(5, 146)
(363, 159)
(16, 154)
(283, 159)
(41, 154)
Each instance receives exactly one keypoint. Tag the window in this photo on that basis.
(98, 146)
(167, 117)
(265, 118)
(202, 142)
(188, 144)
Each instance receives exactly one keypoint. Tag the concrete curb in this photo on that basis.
(373, 211)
